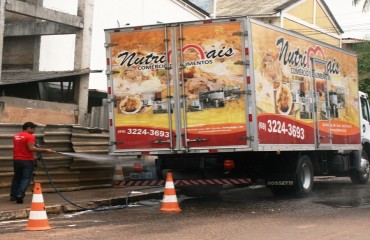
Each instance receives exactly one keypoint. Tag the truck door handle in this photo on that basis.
(197, 140)
(160, 141)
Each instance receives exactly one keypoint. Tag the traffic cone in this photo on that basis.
(118, 178)
(38, 219)
(169, 203)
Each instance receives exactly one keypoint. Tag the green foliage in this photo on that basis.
(363, 59)
(364, 85)
(365, 6)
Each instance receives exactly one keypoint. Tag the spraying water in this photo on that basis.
(90, 157)
(114, 161)
(103, 159)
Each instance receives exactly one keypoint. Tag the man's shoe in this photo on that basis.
(19, 200)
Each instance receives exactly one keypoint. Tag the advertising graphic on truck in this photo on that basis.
(214, 87)
(287, 92)
(235, 98)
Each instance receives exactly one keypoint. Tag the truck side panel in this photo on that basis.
(295, 106)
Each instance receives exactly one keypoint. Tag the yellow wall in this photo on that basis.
(309, 32)
(303, 11)
(323, 21)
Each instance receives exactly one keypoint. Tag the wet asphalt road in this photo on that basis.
(336, 210)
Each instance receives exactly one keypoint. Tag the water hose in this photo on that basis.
(39, 156)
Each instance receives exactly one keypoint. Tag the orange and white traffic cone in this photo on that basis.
(169, 203)
(38, 219)
(118, 178)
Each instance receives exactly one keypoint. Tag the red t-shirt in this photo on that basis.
(20, 149)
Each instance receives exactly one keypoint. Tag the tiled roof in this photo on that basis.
(232, 8)
(238, 8)
(353, 40)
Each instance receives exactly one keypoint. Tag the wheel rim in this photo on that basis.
(365, 166)
(306, 176)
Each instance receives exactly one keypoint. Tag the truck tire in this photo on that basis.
(300, 182)
(361, 176)
(303, 183)
(294, 177)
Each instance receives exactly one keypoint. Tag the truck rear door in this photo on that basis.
(211, 86)
(138, 85)
(322, 104)
(177, 87)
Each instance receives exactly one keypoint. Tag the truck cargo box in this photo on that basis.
(228, 85)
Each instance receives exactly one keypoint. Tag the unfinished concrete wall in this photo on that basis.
(2, 26)
(82, 56)
(20, 52)
(22, 24)
(17, 110)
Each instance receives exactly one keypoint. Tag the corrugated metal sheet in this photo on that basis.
(92, 141)
(68, 173)
(99, 117)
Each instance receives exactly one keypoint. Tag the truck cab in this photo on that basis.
(365, 122)
(363, 174)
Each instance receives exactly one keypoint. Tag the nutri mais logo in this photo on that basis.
(299, 59)
(158, 61)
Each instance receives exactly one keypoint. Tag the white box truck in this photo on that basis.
(234, 98)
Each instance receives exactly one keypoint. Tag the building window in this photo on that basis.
(57, 91)
(54, 91)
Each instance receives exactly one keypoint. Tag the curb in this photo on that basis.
(68, 208)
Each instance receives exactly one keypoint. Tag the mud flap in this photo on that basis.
(280, 184)
(292, 177)
(280, 174)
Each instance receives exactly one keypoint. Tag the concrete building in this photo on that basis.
(62, 97)
(46, 97)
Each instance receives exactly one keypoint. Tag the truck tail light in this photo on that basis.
(228, 165)
(138, 167)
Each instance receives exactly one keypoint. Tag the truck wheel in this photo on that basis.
(361, 176)
(303, 183)
(297, 181)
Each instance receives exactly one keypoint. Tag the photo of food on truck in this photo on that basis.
(286, 94)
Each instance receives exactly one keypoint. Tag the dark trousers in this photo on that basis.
(23, 172)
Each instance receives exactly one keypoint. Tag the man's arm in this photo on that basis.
(32, 148)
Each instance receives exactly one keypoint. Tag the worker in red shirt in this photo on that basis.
(24, 161)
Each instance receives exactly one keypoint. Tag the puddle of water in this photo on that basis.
(346, 202)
